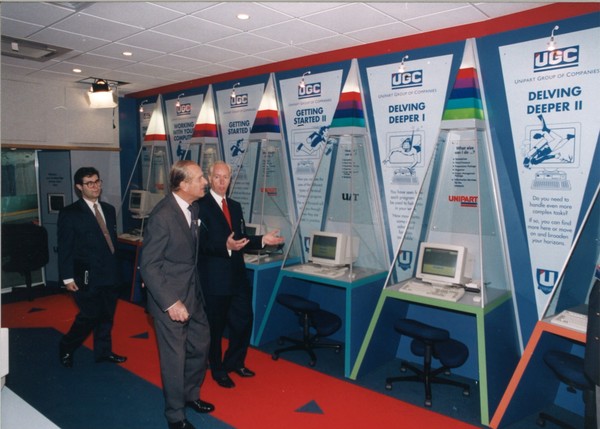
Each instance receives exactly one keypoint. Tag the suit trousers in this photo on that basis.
(234, 313)
(97, 306)
(183, 355)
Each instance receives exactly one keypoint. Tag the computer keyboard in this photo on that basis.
(329, 272)
(253, 259)
(445, 293)
(571, 320)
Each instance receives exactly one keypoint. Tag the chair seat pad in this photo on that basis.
(568, 368)
(297, 303)
(325, 322)
(421, 331)
(451, 353)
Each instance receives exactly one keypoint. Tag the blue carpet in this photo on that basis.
(100, 396)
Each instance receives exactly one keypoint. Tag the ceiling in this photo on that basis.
(172, 42)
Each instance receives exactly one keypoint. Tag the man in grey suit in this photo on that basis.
(168, 267)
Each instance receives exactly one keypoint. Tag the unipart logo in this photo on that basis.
(238, 100)
(309, 90)
(407, 79)
(557, 59)
(184, 109)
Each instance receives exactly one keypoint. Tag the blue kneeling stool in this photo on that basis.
(568, 369)
(312, 318)
(430, 342)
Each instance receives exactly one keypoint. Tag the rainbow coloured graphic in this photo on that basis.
(349, 111)
(465, 98)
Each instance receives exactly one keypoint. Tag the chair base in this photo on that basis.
(427, 380)
(307, 345)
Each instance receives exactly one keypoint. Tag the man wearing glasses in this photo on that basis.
(87, 234)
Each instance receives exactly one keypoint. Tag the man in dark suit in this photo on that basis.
(169, 270)
(592, 353)
(88, 267)
(226, 288)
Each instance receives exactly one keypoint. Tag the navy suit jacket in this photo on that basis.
(220, 273)
(82, 246)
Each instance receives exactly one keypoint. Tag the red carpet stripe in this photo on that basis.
(282, 394)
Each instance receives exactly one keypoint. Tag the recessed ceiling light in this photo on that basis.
(127, 53)
(243, 16)
(76, 70)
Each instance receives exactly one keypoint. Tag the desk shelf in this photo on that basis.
(353, 301)
(532, 386)
(493, 351)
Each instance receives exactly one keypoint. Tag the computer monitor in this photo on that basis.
(333, 248)
(253, 229)
(441, 264)
(142, 202)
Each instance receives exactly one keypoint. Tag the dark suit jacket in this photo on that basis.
(220, 273)
(592, 346)
(82, 246)
(168, 263)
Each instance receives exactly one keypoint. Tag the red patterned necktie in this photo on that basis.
(226, 213)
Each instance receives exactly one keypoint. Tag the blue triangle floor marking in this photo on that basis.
(311, 407)
(36, 309)
(142, 336)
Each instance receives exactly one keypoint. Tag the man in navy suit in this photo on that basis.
(88, 267)
(223, 278)
(170, 273)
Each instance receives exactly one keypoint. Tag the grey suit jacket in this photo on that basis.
(168, 259)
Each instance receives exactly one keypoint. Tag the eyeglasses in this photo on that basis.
(93, 184)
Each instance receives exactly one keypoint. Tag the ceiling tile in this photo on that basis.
(195, 29)
(95, 27)
(294, 32)
(383, 32)
(301, 9)
(35, 13)
(187, 7)
(332, 43)
(285, 53)
(146, 70)
(138, 14)
(13, 28)
(117, 49)
(68, 40)
(157, 41)
(226, 14)
(99, 61)
(211, 54)
(447, 19)
(405, 10)
(355, 16)
(177, 62)
(246, 43)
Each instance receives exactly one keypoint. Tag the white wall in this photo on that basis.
(52, 113)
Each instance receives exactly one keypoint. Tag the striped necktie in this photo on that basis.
(103, 227)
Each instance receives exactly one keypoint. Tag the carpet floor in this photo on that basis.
(283, 394)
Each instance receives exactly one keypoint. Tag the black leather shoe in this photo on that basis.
(112, 358)
(200, 406)
(66, 359)
(244, 372)
(225, 381)
(183, 424)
